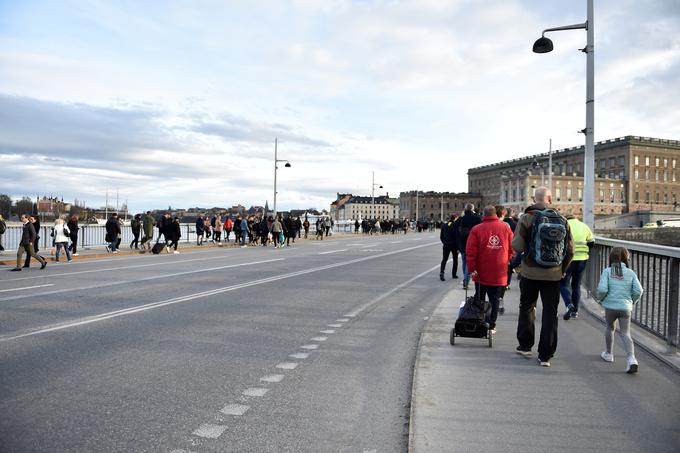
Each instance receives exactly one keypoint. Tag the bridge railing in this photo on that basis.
(658, 268)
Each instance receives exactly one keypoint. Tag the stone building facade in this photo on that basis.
(631, 174)
(431, 204)
(350, 207)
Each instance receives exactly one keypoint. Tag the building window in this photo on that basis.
(637, 160)
(637, 197)
(611, 173)
(601, 195)
(622, 173)
(568, 193)
(665, 162)
(611, 195)
(647, 197)
(656, 161)
(580, 194)
(637, 174)
(612, 162)
(622, 161)
(558, 193)
(657, 198)
(673, 178)
(673, 163)
(578, 168)
(665, 198)
(647, 161)
(603, 163)
(647, 174)
(665, 176)
(656, 172)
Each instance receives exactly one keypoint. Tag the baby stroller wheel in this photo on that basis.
(490, 340)
(452, 340)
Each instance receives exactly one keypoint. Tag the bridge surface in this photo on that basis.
(470, 397)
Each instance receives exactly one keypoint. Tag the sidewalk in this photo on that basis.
(470, 397)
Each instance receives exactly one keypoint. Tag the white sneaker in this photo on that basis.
(632, 365)
(176, 252)
(75, 254)
(607, 356)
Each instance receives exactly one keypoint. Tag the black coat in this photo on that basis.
(449, 235)
(465, 224)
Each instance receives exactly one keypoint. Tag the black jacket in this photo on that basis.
(112, 229)
(465, 224)
(28, 234)
(449, 235)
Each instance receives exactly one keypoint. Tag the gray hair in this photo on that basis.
(490, 210)
(469, 207)
(541, 194)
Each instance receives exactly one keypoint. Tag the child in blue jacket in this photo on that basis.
(618, 290)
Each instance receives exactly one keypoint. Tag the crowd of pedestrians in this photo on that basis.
(550, 253)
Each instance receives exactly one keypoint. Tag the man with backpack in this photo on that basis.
(464, 224)
(544, 238)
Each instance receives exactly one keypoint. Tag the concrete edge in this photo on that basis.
(416, 366)
(641, 338)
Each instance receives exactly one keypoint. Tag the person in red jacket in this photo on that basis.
(488, 252)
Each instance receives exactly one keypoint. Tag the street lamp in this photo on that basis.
(544, 45)
(373, 184)
(276, 167)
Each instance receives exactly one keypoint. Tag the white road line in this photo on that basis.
(255, 391)
(309, 346)
(145, 279)
(370, 245)
(27, 287)
(327, 331)
(319, 339)
(209, 431)
(396, 242)
(136, 266)
(342, 320)
(332, 251)
(299, 355)
(272, 378)
(336, 326)
(189, 297)
(287, 365)
(235, 409)
(363, 307)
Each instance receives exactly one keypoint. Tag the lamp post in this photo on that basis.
(276, 167)
(544, 45)
(373, 184)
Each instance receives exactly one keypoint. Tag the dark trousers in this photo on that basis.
(449, 250)
(135, 240)
(494, 293)
(27, 263)
(550, 298)
(73, 246)
(570, 286)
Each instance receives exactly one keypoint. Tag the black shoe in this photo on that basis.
(43, 265)
(567, 316)
(523, 352)
(441, 276)
(455, 276)
(26, 266)
(15, 269)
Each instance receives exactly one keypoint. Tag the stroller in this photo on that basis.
(471, 322)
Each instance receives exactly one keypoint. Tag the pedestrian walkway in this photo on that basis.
(470, 397)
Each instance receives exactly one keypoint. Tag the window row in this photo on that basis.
(657, 161)
(659, 175)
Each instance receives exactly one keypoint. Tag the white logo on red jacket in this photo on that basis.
(494, 242)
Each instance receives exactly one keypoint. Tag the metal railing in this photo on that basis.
(658, 268)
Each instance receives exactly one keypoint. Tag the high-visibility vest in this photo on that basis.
(581, 235)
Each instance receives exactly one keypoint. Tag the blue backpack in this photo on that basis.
(548, 244)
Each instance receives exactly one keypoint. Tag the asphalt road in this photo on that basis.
(307, 348)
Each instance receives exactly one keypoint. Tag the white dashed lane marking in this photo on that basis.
(335, 325)
(255, 391)
(319, 339)
(27, 287)
(309, 346)
(299, 355)
(235, 409)
(327, 331)
(209, 431)
(287, 365)
(272, 378)
(332, 251)
(342, 320)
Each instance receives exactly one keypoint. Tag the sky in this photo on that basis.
(178, 102)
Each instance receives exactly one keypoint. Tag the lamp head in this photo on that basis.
(543, 45)
(380, 187)
(287, 165)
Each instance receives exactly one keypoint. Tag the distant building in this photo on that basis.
(52, 207)
(350, 207)
(631, 174)
(431, 204)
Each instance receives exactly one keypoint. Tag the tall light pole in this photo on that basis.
(373, 184)
(544, 45)
(276, 167)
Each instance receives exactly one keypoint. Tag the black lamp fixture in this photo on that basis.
(543, 45)
(287, 165)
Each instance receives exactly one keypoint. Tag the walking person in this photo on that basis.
(73, 228)
(207, 227)
(244, 231)
(276, 230)
(174, 233)
(549, 251)
(219, 226)
(200, 230)
(618, 290)
(488, 252)
(228, 226)
(306, 225)
(264, 231)
(35, 221)
(28, 238)
(112, 232)
(61, 235)
(570, 285)
(148, 223)
(288, 230)
(3, 228)
(237, 229)
(465, 223)
(136, 226)
(449, 238)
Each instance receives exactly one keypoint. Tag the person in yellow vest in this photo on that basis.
(570, 285)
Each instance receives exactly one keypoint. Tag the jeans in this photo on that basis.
(244, 235)
(58, 246)
(113, 244)
(550, 298)
(570, 285)
(449, 250)
(466, 274)
(494, 295)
